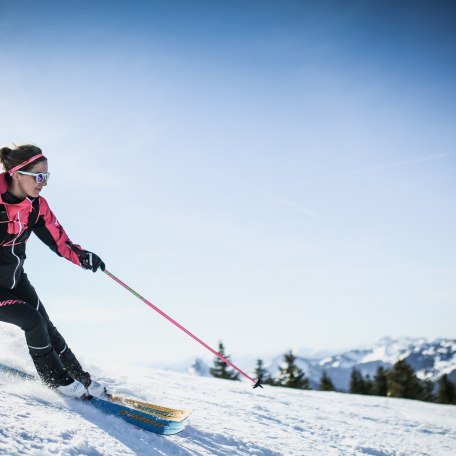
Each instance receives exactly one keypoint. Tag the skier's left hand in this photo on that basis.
(88, 260)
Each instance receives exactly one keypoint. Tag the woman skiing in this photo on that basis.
(23, 210)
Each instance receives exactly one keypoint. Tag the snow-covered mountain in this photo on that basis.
(429, 359)
(229, 418)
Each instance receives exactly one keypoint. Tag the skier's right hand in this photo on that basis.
(88, 260)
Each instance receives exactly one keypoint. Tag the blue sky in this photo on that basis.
(272, 174)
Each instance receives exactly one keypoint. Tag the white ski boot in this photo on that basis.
(95, 389)
(74, 389)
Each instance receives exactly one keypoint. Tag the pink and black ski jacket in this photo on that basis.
(17, 221)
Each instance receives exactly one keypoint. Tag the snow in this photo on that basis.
(229, 418)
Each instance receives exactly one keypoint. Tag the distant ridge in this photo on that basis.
(429, 358)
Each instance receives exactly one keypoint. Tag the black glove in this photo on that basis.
(87, 259)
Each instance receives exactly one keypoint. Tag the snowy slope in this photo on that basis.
(229, 418)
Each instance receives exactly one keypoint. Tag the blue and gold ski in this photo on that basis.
(151, 417)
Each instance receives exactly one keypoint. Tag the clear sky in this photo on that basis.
(275, 174)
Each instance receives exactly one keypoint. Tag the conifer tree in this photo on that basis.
(427, 391)
(262, 374)
(325, 383)
(221, 368)
(368, 385)
(447, 391)
(402, 381)
(357, 383)
(380, 386)
(290, 375)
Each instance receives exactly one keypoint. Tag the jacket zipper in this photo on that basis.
(12, 249)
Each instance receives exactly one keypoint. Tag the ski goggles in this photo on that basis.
(39, 177)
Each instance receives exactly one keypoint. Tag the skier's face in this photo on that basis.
(26, 185)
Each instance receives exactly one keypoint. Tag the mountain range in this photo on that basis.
(430, 359)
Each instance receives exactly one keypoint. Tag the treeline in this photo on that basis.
(401, 381)
(398, 381)
(290, 374)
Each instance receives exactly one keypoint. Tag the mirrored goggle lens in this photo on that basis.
(42, 177)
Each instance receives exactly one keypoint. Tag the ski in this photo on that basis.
(151, 417)
(16, 372)
(158, 410)
(139, 418)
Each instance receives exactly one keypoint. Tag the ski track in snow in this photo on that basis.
(229, 417)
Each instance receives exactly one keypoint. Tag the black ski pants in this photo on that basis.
(53, 359)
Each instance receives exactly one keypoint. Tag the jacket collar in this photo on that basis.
(26, 202)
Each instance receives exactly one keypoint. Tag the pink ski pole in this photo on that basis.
(256, 383)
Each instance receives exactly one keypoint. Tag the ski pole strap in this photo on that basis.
(256, 383)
